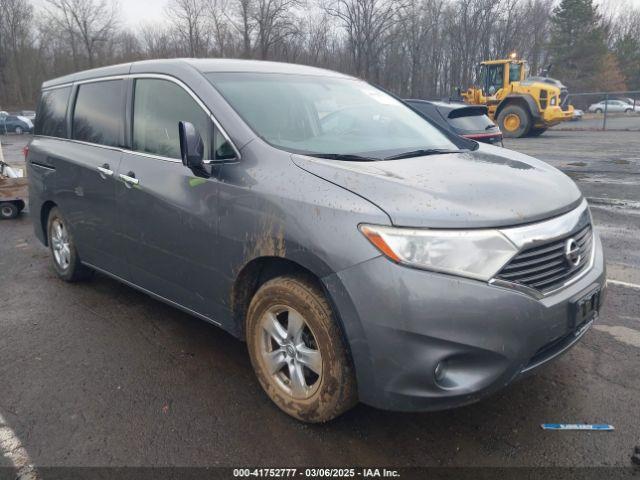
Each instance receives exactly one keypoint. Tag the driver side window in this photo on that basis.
(158, 106)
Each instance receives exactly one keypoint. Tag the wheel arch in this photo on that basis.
(525, 101)
(260, 270)
(44, 217)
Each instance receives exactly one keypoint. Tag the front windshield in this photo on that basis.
(326, 115)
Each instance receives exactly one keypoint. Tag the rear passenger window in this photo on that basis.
(52, 113)
(155, 122)
(98, 113)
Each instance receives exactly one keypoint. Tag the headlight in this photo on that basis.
(478, 254)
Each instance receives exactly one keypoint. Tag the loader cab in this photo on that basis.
(495, 75)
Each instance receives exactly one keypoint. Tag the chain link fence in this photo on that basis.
(618, 111)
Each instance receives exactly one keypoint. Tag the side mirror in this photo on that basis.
(192, 149)
(191, 145)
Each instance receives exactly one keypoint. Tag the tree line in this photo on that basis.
(414, 48)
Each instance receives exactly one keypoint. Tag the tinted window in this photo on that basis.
(475, 123)
(155, 123)
(52, 113)
(97, 116)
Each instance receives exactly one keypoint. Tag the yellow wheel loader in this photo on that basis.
(520, 105)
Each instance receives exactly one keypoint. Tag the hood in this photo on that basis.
(489, 187)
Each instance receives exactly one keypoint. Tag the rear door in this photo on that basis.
(170, 215)
(86, 177)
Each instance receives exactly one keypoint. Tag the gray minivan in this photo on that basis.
(363, 253)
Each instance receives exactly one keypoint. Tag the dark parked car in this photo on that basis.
(361, 252)
(16, 124)
(470, 121)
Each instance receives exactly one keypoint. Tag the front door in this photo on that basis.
(170, 215)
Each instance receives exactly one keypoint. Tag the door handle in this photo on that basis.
(104, 171)
(129, 179)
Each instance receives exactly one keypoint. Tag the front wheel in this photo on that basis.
(298, 352)
(66, 262)
(599, 110)
(514, 121)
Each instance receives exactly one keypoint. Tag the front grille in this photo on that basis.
(545, 267)
(543, 99)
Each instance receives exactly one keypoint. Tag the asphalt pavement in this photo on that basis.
(98, 374)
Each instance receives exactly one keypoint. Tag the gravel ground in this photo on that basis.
(100, 374)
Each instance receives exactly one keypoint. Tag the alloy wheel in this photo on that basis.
(60, 244)
(289, 352)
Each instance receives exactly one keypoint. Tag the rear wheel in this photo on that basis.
(298, 352)
(514, 121)
(599, 110)
(536, 132)
(9, 210)
(66, 262)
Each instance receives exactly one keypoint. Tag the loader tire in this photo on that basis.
(514, 121)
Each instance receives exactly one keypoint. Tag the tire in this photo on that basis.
(64, 254)
(312, 395)
(514, 121)
(8, 210)
(18, 130)
(628, 110)
(599, 110)
(536, 132)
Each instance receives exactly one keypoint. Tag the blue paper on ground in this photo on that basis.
(577, 426)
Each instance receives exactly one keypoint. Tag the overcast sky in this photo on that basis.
(134, 12)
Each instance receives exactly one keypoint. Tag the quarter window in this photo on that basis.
(155, 123)
(52, 113)
(97, 116)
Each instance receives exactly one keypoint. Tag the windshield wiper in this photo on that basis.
(422, 153)
(343, 156)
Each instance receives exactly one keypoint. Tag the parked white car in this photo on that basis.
(613, 106)
(577, 115)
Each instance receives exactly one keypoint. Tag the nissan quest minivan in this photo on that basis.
(363, 253)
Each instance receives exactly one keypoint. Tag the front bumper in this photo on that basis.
(554, 115)
(402, 323)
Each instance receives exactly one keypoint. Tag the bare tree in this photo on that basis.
(15, 38)
(275, 21)
(188, 18)
(366, 23)
(418, 48)
(156, 41)
(219, 24)
(91, 23)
